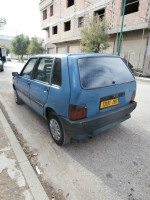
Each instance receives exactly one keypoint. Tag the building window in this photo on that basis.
(131, 6)
(70, 3)
(100, 13)
(80, 22)
(45, 14)
(51, 10)
(54, 30)
(48, 33)
(67, 26)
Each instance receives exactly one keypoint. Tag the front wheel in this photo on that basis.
(17, 98)
(56, 130)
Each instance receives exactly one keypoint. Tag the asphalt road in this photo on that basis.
(113, 165)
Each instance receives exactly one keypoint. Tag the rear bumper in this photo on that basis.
(97, 124)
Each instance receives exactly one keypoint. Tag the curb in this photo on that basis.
(33, 182)
(142, 79)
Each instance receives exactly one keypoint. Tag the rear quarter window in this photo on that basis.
(98, 72)
(56, 78)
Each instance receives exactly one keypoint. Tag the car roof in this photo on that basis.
(75, 55)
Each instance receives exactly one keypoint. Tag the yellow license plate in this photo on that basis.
(108, 103)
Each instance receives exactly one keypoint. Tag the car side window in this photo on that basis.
(27, 72)
(56, 79)
(43, 71)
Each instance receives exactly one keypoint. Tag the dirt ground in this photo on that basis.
(12, 182)
(33, 158)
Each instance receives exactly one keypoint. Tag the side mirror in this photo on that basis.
(15, 74)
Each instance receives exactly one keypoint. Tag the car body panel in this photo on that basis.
(60, 104)
(39, 92)
(99, 123)
(92, 97)
(23, 87)
(42, 96)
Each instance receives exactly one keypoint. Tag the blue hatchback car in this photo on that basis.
(79, 94)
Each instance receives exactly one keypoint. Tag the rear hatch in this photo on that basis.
(100, 83)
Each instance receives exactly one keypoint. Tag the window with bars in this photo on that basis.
(51, 10)
(80, 22)
(100, 13)
(55, 30)
(131, 6)
(67, 26)
(45, 14)
(70, 3)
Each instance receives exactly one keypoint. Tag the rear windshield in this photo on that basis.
(103, 71)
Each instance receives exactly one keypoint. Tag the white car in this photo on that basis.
(8, 58)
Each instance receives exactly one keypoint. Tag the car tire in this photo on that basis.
(17, 98)
(56, 130)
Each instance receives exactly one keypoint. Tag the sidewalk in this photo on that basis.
(18, 180)
(142, 79)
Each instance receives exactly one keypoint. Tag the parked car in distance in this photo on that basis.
(1, 66)
(79, 94)
(8, 58)
(2, 58)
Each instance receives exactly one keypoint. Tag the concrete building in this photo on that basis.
(64, 19)
(5, 39)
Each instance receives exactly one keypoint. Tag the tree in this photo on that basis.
(3, 22)
(20, 45)
(6, 47)
(94, 36)
(35, 47)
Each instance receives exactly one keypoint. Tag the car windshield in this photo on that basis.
(103, 71)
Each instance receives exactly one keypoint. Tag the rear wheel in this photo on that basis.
(17, 98)
(56, 130)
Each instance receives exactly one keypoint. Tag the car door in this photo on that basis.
(24, 80)
(40, 85)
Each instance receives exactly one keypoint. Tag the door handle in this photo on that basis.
(46, 89)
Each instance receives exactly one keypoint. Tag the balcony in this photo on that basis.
(44, 3)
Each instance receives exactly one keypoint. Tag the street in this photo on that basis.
(113, 165)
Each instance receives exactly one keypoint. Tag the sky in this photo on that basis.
(23, 16)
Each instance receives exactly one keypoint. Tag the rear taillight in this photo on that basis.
(133, 97)
(77, 111)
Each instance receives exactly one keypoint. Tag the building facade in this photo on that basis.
(63, 21)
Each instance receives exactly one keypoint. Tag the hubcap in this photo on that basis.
(55, 129)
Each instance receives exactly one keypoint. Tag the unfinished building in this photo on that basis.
(63, 21)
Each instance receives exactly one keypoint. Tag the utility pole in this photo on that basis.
(124, 7)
